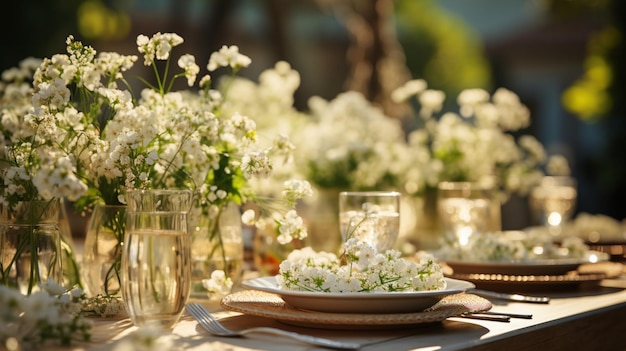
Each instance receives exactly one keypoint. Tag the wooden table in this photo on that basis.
(590, 319)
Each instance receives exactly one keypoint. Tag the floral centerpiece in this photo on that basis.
(348, 144)
(271, 101)
(515, 247)
(475, 145)
(81, 133)
(351, 144)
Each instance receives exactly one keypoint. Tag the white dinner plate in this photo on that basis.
(536, 267)
(380, 302)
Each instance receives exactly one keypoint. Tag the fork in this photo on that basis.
(213, 326)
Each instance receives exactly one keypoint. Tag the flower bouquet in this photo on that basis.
(86, 136)
(365, 270)
(474, 145)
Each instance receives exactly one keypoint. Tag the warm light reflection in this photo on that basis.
(554, 218)
(464, 234)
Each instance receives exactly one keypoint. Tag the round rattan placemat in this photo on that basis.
(263, 304)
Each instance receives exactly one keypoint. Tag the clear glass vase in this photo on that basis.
(71, 269)
(30, 245)
(268, 253)
(217, 244)
(156, 259)
(102, 253)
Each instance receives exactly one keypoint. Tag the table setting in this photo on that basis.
(201, 248)
(261, 305)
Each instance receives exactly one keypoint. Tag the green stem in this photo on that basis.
(214, 232)
(153, 273)
(20, 249)
(116, 223)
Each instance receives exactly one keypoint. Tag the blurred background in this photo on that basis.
(564, 58)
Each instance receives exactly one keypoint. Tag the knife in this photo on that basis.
(510, 297)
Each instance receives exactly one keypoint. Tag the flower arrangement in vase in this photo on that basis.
(348, 144)
(474, 145)
(85, 136)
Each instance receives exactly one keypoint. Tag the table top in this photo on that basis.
(575, 319)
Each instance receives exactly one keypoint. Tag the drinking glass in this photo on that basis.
(553, 201)
(156, 260)
(372, 216)
(464, 209)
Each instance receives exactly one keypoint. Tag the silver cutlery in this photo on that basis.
(486, 317)
(510, 297)
(495, 316)
(213, 326)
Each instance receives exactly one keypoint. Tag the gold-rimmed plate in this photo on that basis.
(522, 283)
(558, 266)
(587, 275)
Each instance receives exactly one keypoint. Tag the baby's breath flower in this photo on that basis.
(432, 101)
(291, 226)
(228, 56)
(159, 46)
(219, 285)
(295, 189)
(256, 164)
(350, 143)
(365, 271)
(51, 314)
(102, 305)
(474, 144)
(71, 129)
(408, 90)
(248, 217)
(188, 63)
(513, 247)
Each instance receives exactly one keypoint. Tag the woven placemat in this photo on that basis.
(264, 304)
(587, 275)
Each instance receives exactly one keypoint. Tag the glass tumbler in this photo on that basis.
(156, 259)
(372, 216)
(465, 209)
(553, 201)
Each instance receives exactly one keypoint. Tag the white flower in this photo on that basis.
(159, 46)
(42, 316)
(291, 226)
(78, 132)
(228, 56)
(512, 247)
(474, 144)
(188, 63)
(256, 164)
(219, 285)
(408, 90)
(349, 142)
(296, 189)
(366, 271)
(432, 101)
